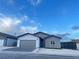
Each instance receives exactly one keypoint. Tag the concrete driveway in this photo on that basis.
(15, 49)
(18, 49)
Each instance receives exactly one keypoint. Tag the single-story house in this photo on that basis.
(38, 40)
(7, 40)
(30, 41)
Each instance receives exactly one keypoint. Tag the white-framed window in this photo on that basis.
(53, 42)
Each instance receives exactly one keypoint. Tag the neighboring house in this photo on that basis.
(76, 41)
(28, 41)
(68, 45)
(7, 40)
(74, 44)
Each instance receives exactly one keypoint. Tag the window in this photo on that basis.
(52, 42)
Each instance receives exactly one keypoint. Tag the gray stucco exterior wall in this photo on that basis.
(52, 42)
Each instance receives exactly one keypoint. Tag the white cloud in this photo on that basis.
(8, 24)
(30, 29)
(16, 25)
(35, 2)
(69, 35)
(74, 31)
(27, 29)
(74, 34)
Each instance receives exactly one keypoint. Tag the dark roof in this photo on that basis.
(38, 34)
(48, 35)
(35, 34)
(7, 35)
(52, 36)
(25, 34)
(41, 33)
(14, 37)
(75, 40)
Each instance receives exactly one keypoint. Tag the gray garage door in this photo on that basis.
(29, 44)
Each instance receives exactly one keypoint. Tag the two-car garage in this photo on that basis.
(31, 44)
(28, 41)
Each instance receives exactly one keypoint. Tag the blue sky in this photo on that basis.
(52, 16)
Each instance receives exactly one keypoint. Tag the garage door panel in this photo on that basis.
(29, 44)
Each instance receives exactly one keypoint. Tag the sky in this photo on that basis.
(50, 16)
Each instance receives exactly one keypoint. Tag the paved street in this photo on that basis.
(22, 55)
